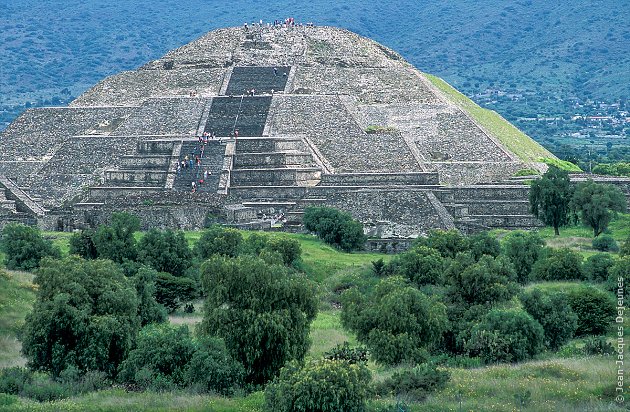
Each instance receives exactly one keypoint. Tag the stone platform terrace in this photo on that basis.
(335, 119)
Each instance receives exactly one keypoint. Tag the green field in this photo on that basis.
(565, 381)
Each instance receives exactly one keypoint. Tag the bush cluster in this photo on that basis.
(335, 227)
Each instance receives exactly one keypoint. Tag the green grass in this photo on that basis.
(17, 295)
(524, 147)
(326, 333)
(560, 164)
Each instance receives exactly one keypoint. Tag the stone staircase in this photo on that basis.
(262, 79)
(16, 205)
(148, 167)
(247, 114)
(211, 161)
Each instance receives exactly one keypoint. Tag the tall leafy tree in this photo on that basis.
(165, 251)
(597, 204)
(550, 198)
(85, 317)
(262, 311)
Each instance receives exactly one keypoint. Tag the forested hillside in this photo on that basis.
(540, 64)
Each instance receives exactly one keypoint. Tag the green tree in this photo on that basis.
(85, 316)
(484, 243)
(448, 242)
(82, 244)
(597, 204)
(619, 278)
(335, 227)
(165, 251)
(506, 335)
(262, 311)
(25, 247)
(218, 240)
(550, 197)
(421, 265)
(558, 264)
(172, 291)
(116, 241)
(555, 315)
(523, 249)
(289, 249)
(320, 386)
(396, 322)
(149, 310)
(488, 282)
(597, 267)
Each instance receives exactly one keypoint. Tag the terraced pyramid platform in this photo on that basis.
(296, 116)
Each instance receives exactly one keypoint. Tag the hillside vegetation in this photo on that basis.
(567, 380)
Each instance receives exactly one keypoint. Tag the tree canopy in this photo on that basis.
(597, 204)
(262, 311)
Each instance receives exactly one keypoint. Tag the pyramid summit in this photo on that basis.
(251, 125)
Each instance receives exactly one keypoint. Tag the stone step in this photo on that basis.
(277, 159)
(155, 147)
(275, 176)
(147, 161)
(508, 221)
(380, 179)
(135, 177)
(270, 145)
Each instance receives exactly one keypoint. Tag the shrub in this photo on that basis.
(335, 227)
(262, 311)
(289, 249)
(25, 247)
(13, 380)
(168, 357)
(82, 244)
(523, 249)
(558, 264)
(487, 282)
(596, 267)
(415, 383)
(624, 250)
(172, 291)
(78, 321)
(484, 244)
(553, 312)
(448, 242)
(149, 310)
(510, 335)
(325, 385)
(218, 240)
(117, 242)
(598, 345)
(619, 278)
(346, 353)
(255, 243)
(165, 251)
(605, 243)
(397, 322)
(594, 308)
(421, 265)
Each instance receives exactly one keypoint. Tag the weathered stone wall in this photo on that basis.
(369, 85)
(133, 88)
(338, 137)
(379, 179)
(469, 173)
(165, 116)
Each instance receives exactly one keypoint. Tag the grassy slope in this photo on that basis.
(576, 384)
(524, 147)
(16, 299)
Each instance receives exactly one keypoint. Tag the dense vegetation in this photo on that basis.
(270, 321)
